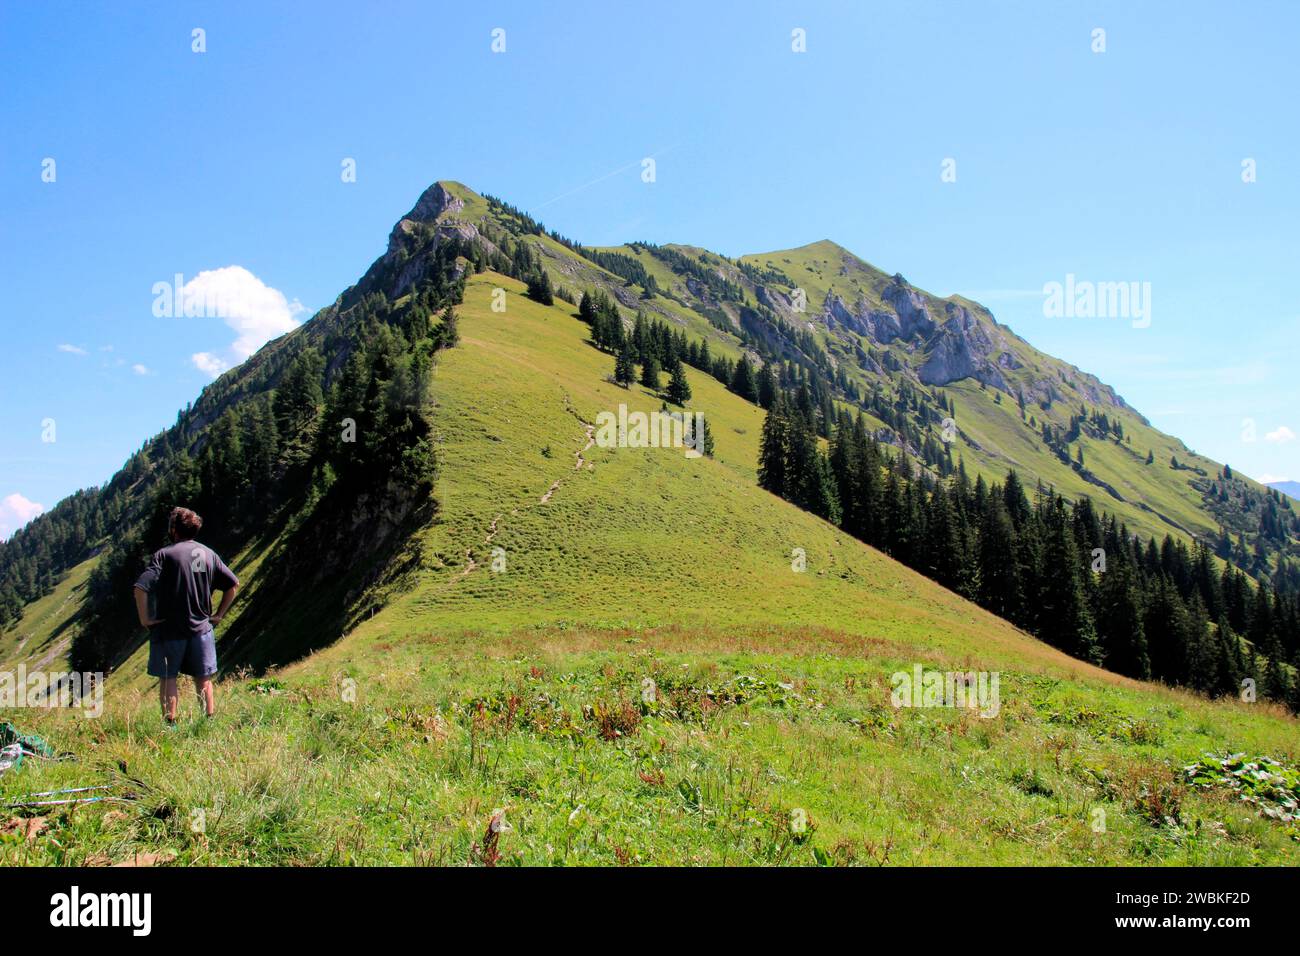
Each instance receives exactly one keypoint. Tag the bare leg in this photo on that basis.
(203, 687)
(168, 698)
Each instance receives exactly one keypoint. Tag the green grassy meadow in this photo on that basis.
(639, 676)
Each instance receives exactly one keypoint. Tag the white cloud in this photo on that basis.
(72, 349)
(254, 310)
(140, 369)
(1280, 434)
(16, 511)
(1267, 479)
(208, 363)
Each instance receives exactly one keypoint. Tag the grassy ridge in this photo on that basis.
(636, 537)
(476, 690)
(1157, 499)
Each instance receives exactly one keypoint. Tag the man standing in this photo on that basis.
(181, 578)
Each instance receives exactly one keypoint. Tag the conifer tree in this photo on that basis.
(1013, 494)
(539, 288)
(1201, 653)
(1228, 653)
(845, 466)
(704, 361)
(899, 520)
(650, 373)
(587, 308)
(679, 390)
(773, 452)
(625, 366)
(640, 338)
(1066, 618)
(945, 549)
(810, 473)
(767, 386)
(1165, 623)
(706, 444)
(999, 588)
(742, 380)
(297, 403)
(448, 334)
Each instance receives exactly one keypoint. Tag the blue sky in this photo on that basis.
(1117, 166)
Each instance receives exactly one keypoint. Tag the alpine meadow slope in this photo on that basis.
(635, 654)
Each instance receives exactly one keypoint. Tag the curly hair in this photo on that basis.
(184, 524)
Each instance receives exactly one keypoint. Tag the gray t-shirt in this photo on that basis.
(179, 581)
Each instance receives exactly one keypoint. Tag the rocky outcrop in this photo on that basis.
(627, 297)
(962, 348)
(403, 266)
(698, 289)
(876, 324)
(1095, 392)
(966, 345)
(834, 310)
(1043, 390)
(433, 203)
(909, 305)
(907, 316)
(776, 300)
(869, 364)
(435, 209)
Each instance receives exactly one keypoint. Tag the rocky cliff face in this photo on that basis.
(907, 315)
(910, 307)
(945, 342)
(879, 325)
(435, 213)
(962, 347)
(965, 347)
(436, 208)
(776, 300)
(433, 203)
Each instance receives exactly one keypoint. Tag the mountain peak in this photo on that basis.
(442, 198)
(443, 205)
(811, 254)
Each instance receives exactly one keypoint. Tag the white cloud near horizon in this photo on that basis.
(256, 312)
(16, 511)
(1280, 434)
(1267, 479)
(208, 363)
